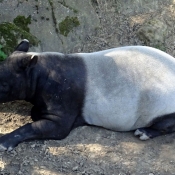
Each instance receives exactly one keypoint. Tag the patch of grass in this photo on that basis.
(68, 24)
(3, 56)
(23, 22)
(10, 35)
(159, 46)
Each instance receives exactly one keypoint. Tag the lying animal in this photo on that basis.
(122, 89)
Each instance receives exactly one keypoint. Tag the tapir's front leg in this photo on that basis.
(42, 129)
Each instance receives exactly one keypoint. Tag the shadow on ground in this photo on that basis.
(87, 150)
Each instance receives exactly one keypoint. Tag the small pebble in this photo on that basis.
(42, 167)
(33, 146)
(75, 168)
(20, 172)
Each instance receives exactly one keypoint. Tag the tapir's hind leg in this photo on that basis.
(161, 126)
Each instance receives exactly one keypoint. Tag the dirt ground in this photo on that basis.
(86, 151)
(90, 150)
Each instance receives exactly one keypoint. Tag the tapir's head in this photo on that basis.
(14, 72)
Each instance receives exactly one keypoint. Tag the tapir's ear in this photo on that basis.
(23, 46)
(28, 61)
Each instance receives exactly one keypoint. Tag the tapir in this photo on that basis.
(130, 88)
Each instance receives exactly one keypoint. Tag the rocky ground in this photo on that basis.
(92, 150)
(86, 151)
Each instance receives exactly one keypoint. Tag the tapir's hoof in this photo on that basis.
(2, 148)
(7, 143)
(141, 134)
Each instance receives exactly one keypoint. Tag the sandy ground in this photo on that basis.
(86, 151)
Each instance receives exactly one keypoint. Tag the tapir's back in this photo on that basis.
(128, 87)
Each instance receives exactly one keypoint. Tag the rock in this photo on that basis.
(20, 172)
(153, 33)
(33, 145)
(59, 25)
(75, 168)
(43, 167)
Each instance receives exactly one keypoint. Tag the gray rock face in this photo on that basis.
(85, 26)
(59, 25)
(153, 33)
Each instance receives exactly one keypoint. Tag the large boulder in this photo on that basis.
(59, 25)
(85, 26)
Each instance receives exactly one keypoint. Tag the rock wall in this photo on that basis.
(85, 26)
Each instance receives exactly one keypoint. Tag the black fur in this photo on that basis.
(55, 85)
(160, 126)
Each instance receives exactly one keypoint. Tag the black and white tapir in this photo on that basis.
(122, 89)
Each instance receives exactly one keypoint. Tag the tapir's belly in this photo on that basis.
(128, 88)
(126, 113)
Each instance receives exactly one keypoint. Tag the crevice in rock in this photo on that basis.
(54, 19)
(53, 16)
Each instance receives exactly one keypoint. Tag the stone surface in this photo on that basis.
(153, 33)
(83, 26)
(47, 15)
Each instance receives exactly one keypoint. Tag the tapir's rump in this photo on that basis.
(128, 87)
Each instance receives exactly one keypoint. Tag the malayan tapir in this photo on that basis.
(121, 89)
